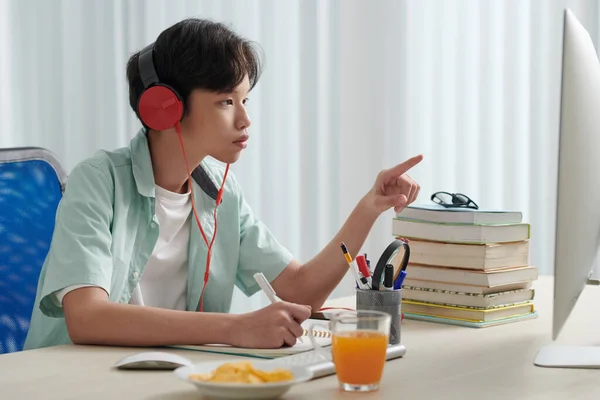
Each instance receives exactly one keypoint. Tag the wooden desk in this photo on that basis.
(442, 362)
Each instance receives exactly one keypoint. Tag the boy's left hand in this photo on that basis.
(394, 188)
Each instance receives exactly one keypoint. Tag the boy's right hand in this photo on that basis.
(271, 327)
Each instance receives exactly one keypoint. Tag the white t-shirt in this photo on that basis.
(164, 281)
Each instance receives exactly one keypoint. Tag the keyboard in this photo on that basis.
(320, 362)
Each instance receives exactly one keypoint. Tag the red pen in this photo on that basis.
(363, 267)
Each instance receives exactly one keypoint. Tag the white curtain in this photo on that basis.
(350, 87)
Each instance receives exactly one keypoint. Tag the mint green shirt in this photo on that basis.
(106, 230)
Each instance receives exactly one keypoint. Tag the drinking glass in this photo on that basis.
(359, 345)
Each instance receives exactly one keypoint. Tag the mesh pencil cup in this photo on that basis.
(385, 301)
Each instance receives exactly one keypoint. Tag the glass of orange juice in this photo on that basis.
(359, 345)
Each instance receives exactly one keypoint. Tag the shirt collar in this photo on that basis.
(141, 164)
(143, 173)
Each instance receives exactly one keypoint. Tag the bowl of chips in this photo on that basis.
(243, 379)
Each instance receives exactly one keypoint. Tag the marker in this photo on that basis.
(361, 281)
(266, 287)
(363, 268)
(399, 280)
(388, 280)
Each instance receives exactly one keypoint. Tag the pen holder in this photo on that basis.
(385, 301)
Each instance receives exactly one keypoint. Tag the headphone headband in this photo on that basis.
(146, 66)
(159, 106)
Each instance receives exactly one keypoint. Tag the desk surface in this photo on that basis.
(442, 361)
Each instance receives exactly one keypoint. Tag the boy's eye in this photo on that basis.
(229, 102)
(246, 100)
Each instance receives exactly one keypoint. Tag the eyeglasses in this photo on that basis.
(450, 200)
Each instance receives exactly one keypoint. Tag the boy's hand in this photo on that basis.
(271, 327)
(394, 188)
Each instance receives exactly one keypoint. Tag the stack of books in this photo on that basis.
(467, 267)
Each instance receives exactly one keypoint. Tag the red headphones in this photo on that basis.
(160, 107)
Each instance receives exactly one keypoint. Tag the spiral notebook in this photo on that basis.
(323, 338)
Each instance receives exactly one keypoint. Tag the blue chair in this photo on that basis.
(31, 185)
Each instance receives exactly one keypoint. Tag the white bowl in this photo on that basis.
(261, 391)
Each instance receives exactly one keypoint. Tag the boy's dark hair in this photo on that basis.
(198, 54)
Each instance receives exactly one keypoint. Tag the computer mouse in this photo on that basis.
(153, 360)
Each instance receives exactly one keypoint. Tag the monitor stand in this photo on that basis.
(564, 356)
(561, 356)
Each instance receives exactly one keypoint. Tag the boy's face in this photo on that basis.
(216, 123)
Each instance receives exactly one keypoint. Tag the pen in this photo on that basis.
(388, 277)
(368, 264)
(360, 280)
(266, 287)
(363, 268)
(399, 280)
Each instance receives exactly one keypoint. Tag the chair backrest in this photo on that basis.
(31, 185)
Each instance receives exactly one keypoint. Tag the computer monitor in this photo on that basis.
(578, 194)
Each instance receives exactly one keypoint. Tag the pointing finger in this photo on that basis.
(402, 168)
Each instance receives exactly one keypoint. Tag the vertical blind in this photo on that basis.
(350, 87)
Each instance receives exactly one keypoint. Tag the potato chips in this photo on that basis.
(243, 372)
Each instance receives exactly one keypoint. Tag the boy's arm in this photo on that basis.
(312, 282)
(92, 319)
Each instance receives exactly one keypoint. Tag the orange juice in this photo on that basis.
(359, 356)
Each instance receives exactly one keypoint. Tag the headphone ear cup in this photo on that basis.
(160, 107)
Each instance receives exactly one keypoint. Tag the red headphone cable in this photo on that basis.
(218, 201)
